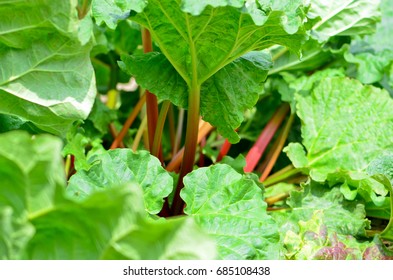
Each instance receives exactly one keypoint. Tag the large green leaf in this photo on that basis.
(46, 76)
(183, 38)
(117, 167)
(37, 221)
(345, 126)
(224, 96)
(199, 46)
(230, 208)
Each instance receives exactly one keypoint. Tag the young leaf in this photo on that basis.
(230, 208)
(339, 215)
(345, 126)
(117, 167)
(322, 224)
(315, 241)
(46, 76)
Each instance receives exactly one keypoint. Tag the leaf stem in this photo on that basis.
(139, 134)
(134, 113)
(282, 175)
(190, 145)
(273, 154)
(224, 150)
(204, 129)
(179, 131)
(171, 124)
(265, 137)
(276, 198)
(151, 99)
(155, 150)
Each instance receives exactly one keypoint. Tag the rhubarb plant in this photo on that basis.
(181, 129)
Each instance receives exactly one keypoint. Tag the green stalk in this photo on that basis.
(257, 150)
(139, 134)
(281, 176)
(155, 150)
(274, 153)
(151, 99)
(190, 144)
(179, 131)
(172, 129)
(191, 141)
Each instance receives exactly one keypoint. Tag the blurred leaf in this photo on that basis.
(38, 222)
(37, 46)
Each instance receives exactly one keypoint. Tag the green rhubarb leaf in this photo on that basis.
(329, 20)
(163, 80)
(344, 18)
(233, 32)
(345, 126)
(117, 167)
(230, 207)
(382, 165)
(380, 40)
(83, 147)
(185, 39)
(46, 76)
(354, 183)
(112, 11)
(372, 54)
(371, 67)
(382, 169)
(8, 123)
(341, 216)
(101, 116)
(259, 11)
(291, 84)
(232, 90)
(224, 97)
